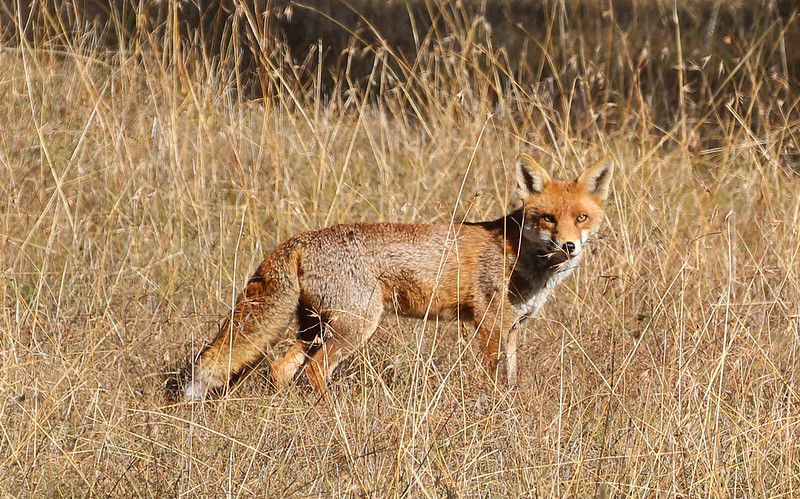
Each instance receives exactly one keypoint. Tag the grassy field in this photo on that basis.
(139, 190)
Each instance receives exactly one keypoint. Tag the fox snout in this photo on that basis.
(568, 248)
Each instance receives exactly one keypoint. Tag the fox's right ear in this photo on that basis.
(531, 177)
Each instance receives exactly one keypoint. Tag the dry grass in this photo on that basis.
(139, 191)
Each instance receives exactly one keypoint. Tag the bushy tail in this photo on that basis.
(258, 320)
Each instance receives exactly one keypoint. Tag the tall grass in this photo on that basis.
(140, 187)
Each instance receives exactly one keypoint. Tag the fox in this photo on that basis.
(338, 282)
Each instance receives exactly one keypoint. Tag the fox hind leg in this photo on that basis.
(284, 369)
(310, 330)
(348, 333)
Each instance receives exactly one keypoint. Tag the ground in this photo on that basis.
(137, 198)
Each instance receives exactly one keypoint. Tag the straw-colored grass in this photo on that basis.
(139, 191)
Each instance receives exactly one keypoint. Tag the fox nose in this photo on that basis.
(568, 247)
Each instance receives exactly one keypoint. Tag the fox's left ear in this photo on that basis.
(597, 178)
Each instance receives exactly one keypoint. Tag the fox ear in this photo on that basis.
(531, 177)
(597, 178)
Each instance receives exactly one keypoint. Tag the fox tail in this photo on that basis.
(257, 320)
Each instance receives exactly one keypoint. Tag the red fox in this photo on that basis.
(339, 281)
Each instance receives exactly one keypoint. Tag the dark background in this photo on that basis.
(632, 45)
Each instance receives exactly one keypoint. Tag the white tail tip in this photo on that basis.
(194, 390)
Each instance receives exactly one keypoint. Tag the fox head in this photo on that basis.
(561, 216)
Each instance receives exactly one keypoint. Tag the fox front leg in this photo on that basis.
(493, 331)
(510, 356)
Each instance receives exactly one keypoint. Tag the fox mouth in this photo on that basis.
(558, 255)
(545, 247)
(562, 250)
(550, 252)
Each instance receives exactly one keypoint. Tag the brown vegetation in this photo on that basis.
(141, 186)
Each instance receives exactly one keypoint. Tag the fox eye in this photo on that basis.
(582, 217)
(549, 219)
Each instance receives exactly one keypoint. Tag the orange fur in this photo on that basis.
(338, 281)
